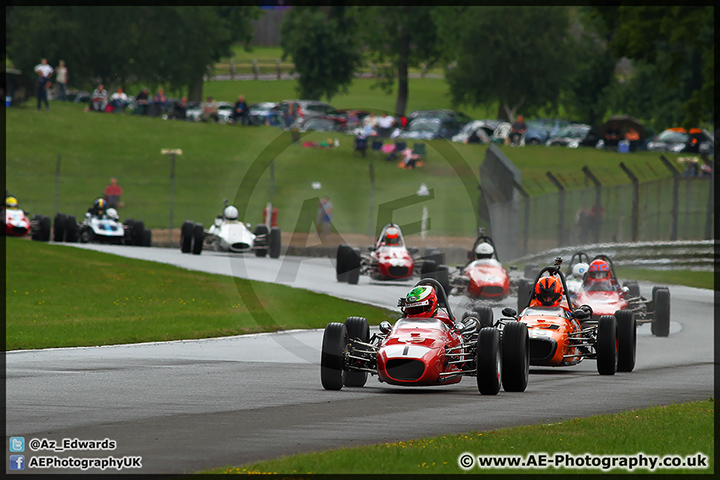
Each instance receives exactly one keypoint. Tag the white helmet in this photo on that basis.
(484, 250)
(579, 269)
(230, 212)
(112, 214)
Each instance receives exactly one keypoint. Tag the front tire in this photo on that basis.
(275, 242)
(626, 340)
(186, 236)
(262, 229)
(198, 235)
(606, 345)
(488, 361)
(147, 238)
(660, 326)
(357, 328)
(332, 373)
(515, 357)
(59, 226)
(71, 229)
(138, 232)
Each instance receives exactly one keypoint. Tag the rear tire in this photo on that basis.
(128, 238)
(357, 327)
(335, 339)
(71, 229)
(515, 357)
(275, 242)
(485, 316)
(59, 226)
(633, 288)
(263, 250)
(660, 326)
(524, 292)
(431, 269)
(435, 255)
(353, 266)
(530, 272)
(138, 232)
(626, 340)
(186, 236)
(45, 229)
(147, 238)
(606, 345)
(198, 235)
(488, 361)
(342, 260)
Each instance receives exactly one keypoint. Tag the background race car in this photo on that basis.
(425, 351)
(605, 297)
(228, 234)
(17, 224)
(483, 277)
(563, 335)
(390, 259)
(104, 228)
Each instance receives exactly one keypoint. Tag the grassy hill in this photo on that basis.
(216, 159)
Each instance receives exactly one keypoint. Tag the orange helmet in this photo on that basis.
(392, 236)
(599, 270)
(549, 291)
(421, 302)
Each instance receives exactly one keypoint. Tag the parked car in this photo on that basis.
(225, 109)
(264, 113)
(340, 117)
(477, 131)
(428, 128)
(460, 117)
(575, 135)
(540, 130)
(681, 140)
(304, 109)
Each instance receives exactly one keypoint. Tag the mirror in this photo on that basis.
(413, 250)
(509, 312)
(385, 327)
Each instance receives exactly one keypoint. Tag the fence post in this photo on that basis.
(635, 215)
(255, 69)
(561, 207)
(597, 223)
(711, 204)
(277, 64)
(675, 197)
(232, 69)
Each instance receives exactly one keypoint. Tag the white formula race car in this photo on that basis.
(228, 234)
(105, 228)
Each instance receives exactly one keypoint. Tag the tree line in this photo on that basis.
(532, 60)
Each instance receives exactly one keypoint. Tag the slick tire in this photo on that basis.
(485, 316)
(515, 357)
(357, 328)
(606, 345)
(332, 373)
(633, 288)
(275, 242)
(626, 340)
(59, 225)
(489, 362)
(186, 236)
(660, 326)
(71, 229)
(262, 229)
(198, 235)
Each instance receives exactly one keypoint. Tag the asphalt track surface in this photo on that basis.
(190, 405)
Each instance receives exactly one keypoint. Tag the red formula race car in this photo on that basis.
(601, 290)
(426, 347)
(390, 259)
(17, 223)
(484, 277)
(562, 335)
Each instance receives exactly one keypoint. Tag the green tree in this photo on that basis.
(321, 43)
(173, 46)
(398, 38)
(514, 57)
(679, 41)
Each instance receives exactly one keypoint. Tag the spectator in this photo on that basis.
(352, 120)
(44, 72)
(633, 138)
(119, 100)
(371, 120)
(240, 111)
(142, 100)
(180, 110)
(517, 130)
(612, 136)
(210, 110)
(112, 194)
(61, 80)
(99, 99)
(324, 216)
(290, 116)
(385, 124)
(160, 98)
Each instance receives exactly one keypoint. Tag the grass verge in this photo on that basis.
(678, 429)
(59, 296)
